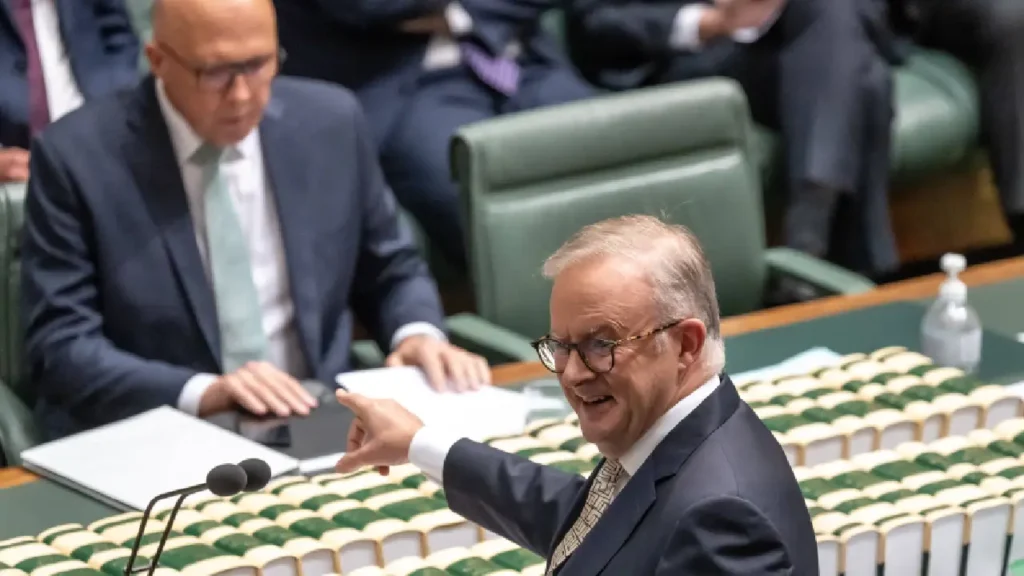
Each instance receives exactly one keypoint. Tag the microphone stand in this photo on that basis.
(181, 493)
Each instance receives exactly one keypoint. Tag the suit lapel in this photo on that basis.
(153, 163)
(7, 15)
(629, 507)
(286, 159)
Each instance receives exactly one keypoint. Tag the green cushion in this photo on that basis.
(12, 217)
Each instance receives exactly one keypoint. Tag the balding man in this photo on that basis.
(691, 481)
(204, 239)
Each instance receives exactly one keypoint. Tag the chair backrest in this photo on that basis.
(12, 210)
(530, 180)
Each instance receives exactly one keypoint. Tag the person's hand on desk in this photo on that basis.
(13, 165)
(442, 362)
(380, 436)
(260, 388)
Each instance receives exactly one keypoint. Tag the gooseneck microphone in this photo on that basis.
(222, 480)
(257, 474)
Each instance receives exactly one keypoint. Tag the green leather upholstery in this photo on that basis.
(684, 152)
(17, 430)
(140, 12)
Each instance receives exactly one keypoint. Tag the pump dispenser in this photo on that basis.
(951, 331)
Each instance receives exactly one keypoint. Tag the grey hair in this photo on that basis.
(675, 263)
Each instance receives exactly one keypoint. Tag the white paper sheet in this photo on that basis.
(487, 412)
(802, 363)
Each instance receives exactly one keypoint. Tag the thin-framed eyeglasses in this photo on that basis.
(220, 77)
(598, 354)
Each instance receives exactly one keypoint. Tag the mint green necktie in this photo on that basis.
(239, 315)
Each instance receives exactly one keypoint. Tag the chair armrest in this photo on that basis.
(498, 345)
(366, 355)
(822, 275)
(17, 426)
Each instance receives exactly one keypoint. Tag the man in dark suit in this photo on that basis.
(53, 55)
(203, 240)
(691, 481)
(422, 69)
(989, 36)
(815, 70)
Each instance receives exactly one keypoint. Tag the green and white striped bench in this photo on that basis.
(396, 537)
(463, 562)
(106, 556)
(186, 554)
(29, 556)
(316, 556)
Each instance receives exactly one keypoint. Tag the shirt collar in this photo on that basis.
(644, 447)
(184, 139)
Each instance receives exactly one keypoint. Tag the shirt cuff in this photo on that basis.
(685, 33)
(459, 21)
(429, 449)
(416, 329)
(192, 394)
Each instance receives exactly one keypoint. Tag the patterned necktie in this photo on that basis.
(601, 493)
(39, 108)
(239, 316)
(499, 72)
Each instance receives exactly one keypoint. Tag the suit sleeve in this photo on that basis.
(641, 29)
(119, 36)
(392, 286)
(379, 13)
(70, 360)
(509, 495)
(724, 537)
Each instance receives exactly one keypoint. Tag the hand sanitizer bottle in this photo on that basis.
(951, 331)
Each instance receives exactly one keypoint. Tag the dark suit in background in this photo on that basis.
(414, 111)
(989, 36)
(717, 496)
(119, 312)
(820, 75)
(99, 41)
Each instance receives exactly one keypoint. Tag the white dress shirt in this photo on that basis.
(686, 29)
(430, 447)
(253, 200)
(62, 93)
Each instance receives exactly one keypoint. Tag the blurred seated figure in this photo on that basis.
(54, 54)
(422, 69)
(206, 239)
(989, 36)
(816, 70)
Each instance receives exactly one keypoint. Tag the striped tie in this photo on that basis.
(499, 72)
(601, 493)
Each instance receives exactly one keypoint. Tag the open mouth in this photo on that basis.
(596, 400)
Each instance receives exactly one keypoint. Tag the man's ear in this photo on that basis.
(692, 337)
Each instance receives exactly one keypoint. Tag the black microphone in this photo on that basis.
(222, 480)
(257, 473)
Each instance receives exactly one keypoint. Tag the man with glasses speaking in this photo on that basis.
(204, 239)
(691, 481)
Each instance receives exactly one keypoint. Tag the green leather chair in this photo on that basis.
(935, 130)
(685, 152)
(17, 426)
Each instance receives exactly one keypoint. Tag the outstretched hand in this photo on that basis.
(380, 435)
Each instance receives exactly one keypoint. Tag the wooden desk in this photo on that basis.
(914, 289)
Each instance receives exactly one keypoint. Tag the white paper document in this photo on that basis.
(802, 363)
(129, 462)
(487, 412)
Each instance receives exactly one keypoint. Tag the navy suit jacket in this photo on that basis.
(358, 43)
(716, 497)
(118, 310)
(99, 42)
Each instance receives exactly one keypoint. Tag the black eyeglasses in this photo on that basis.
(220, 77)
(598, 354)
